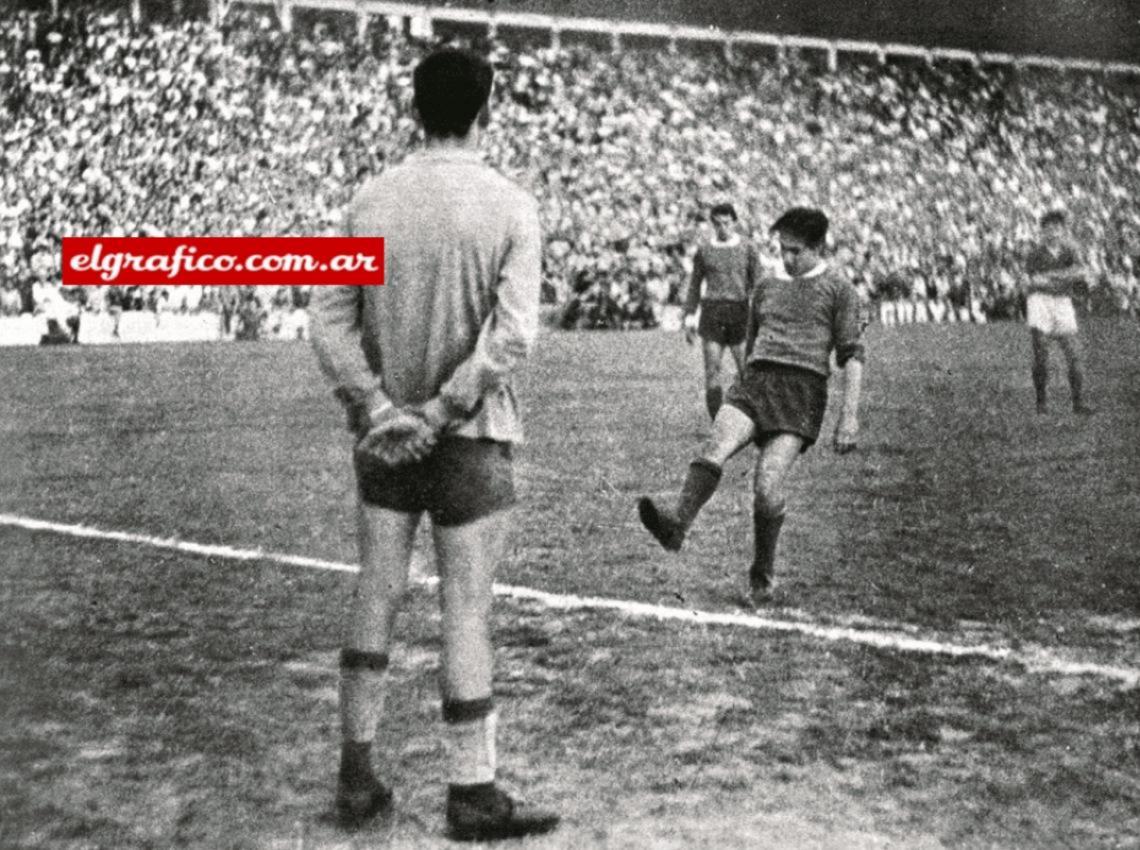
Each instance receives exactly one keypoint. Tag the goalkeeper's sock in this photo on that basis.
(700, 484)
(470, 735)
(362, 690)
(713, 399)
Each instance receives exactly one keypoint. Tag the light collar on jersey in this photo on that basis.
(782, 273)
(731, 242)
(817, 271)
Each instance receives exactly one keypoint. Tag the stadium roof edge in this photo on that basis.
(570, 23)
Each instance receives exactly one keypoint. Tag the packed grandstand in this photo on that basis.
(934, 172)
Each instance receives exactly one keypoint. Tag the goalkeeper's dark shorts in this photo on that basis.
(781, 399)
(723, 322)
(462, 480)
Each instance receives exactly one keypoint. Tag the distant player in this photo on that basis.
(430, 355)
(727, 266)
(778, 401)
(1055, 271)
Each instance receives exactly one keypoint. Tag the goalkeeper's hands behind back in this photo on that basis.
(396, 436)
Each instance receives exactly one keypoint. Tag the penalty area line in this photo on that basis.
(1039, 661)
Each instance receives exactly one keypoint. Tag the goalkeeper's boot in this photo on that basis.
(1082, 409)
(487, 813)
(356, 806)
(662, 524)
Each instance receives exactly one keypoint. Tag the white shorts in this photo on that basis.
(1051, 314)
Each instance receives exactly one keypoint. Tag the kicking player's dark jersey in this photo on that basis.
(729, 272)
(800, 321)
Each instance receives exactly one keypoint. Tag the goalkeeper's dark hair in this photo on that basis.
(1053, 217)
(450, 88)
(804, 223)
(723, 209)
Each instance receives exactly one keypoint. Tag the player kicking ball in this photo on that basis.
(778, 402)
(1054, 271)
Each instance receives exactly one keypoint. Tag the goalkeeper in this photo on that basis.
(424, 365)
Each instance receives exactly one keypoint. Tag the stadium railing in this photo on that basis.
(492, 19)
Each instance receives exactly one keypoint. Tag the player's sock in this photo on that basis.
(362, 690)
(470, 731)
(477, 809)
(356, 764)
(713, 398)
(1041, 377)
(360, 796)
(762, 575)
(1076, 387)
(700, 484)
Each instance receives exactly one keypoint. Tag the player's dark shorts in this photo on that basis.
(723, 322)
(462, 480)
(781, 400)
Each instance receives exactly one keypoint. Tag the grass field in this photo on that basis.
(153, 698)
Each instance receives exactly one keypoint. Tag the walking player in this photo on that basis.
(728, 267)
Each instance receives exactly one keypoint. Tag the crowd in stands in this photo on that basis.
(933, 173)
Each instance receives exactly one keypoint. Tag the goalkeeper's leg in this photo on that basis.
(477, 809)
(385, 540)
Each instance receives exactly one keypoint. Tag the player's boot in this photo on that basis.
(1082, 409)
(487, 813)
(761, 591)
(357, 806)
(665, 528)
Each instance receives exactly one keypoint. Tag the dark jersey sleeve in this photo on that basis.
(752, 274)
(754, 299)
(693, 296)
(1035, 260)
(847, 325)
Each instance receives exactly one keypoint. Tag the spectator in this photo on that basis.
(11, 304)
(246, 130)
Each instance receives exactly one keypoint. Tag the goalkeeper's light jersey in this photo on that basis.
(729, 271)
(458, 310)
(799, 321)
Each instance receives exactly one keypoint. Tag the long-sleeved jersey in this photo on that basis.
(1043, 259)
(458, 310)
(799, 321)
(729, 272)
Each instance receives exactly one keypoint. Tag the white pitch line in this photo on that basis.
(1040, 661)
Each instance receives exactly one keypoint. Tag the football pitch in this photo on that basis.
(953, 661)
